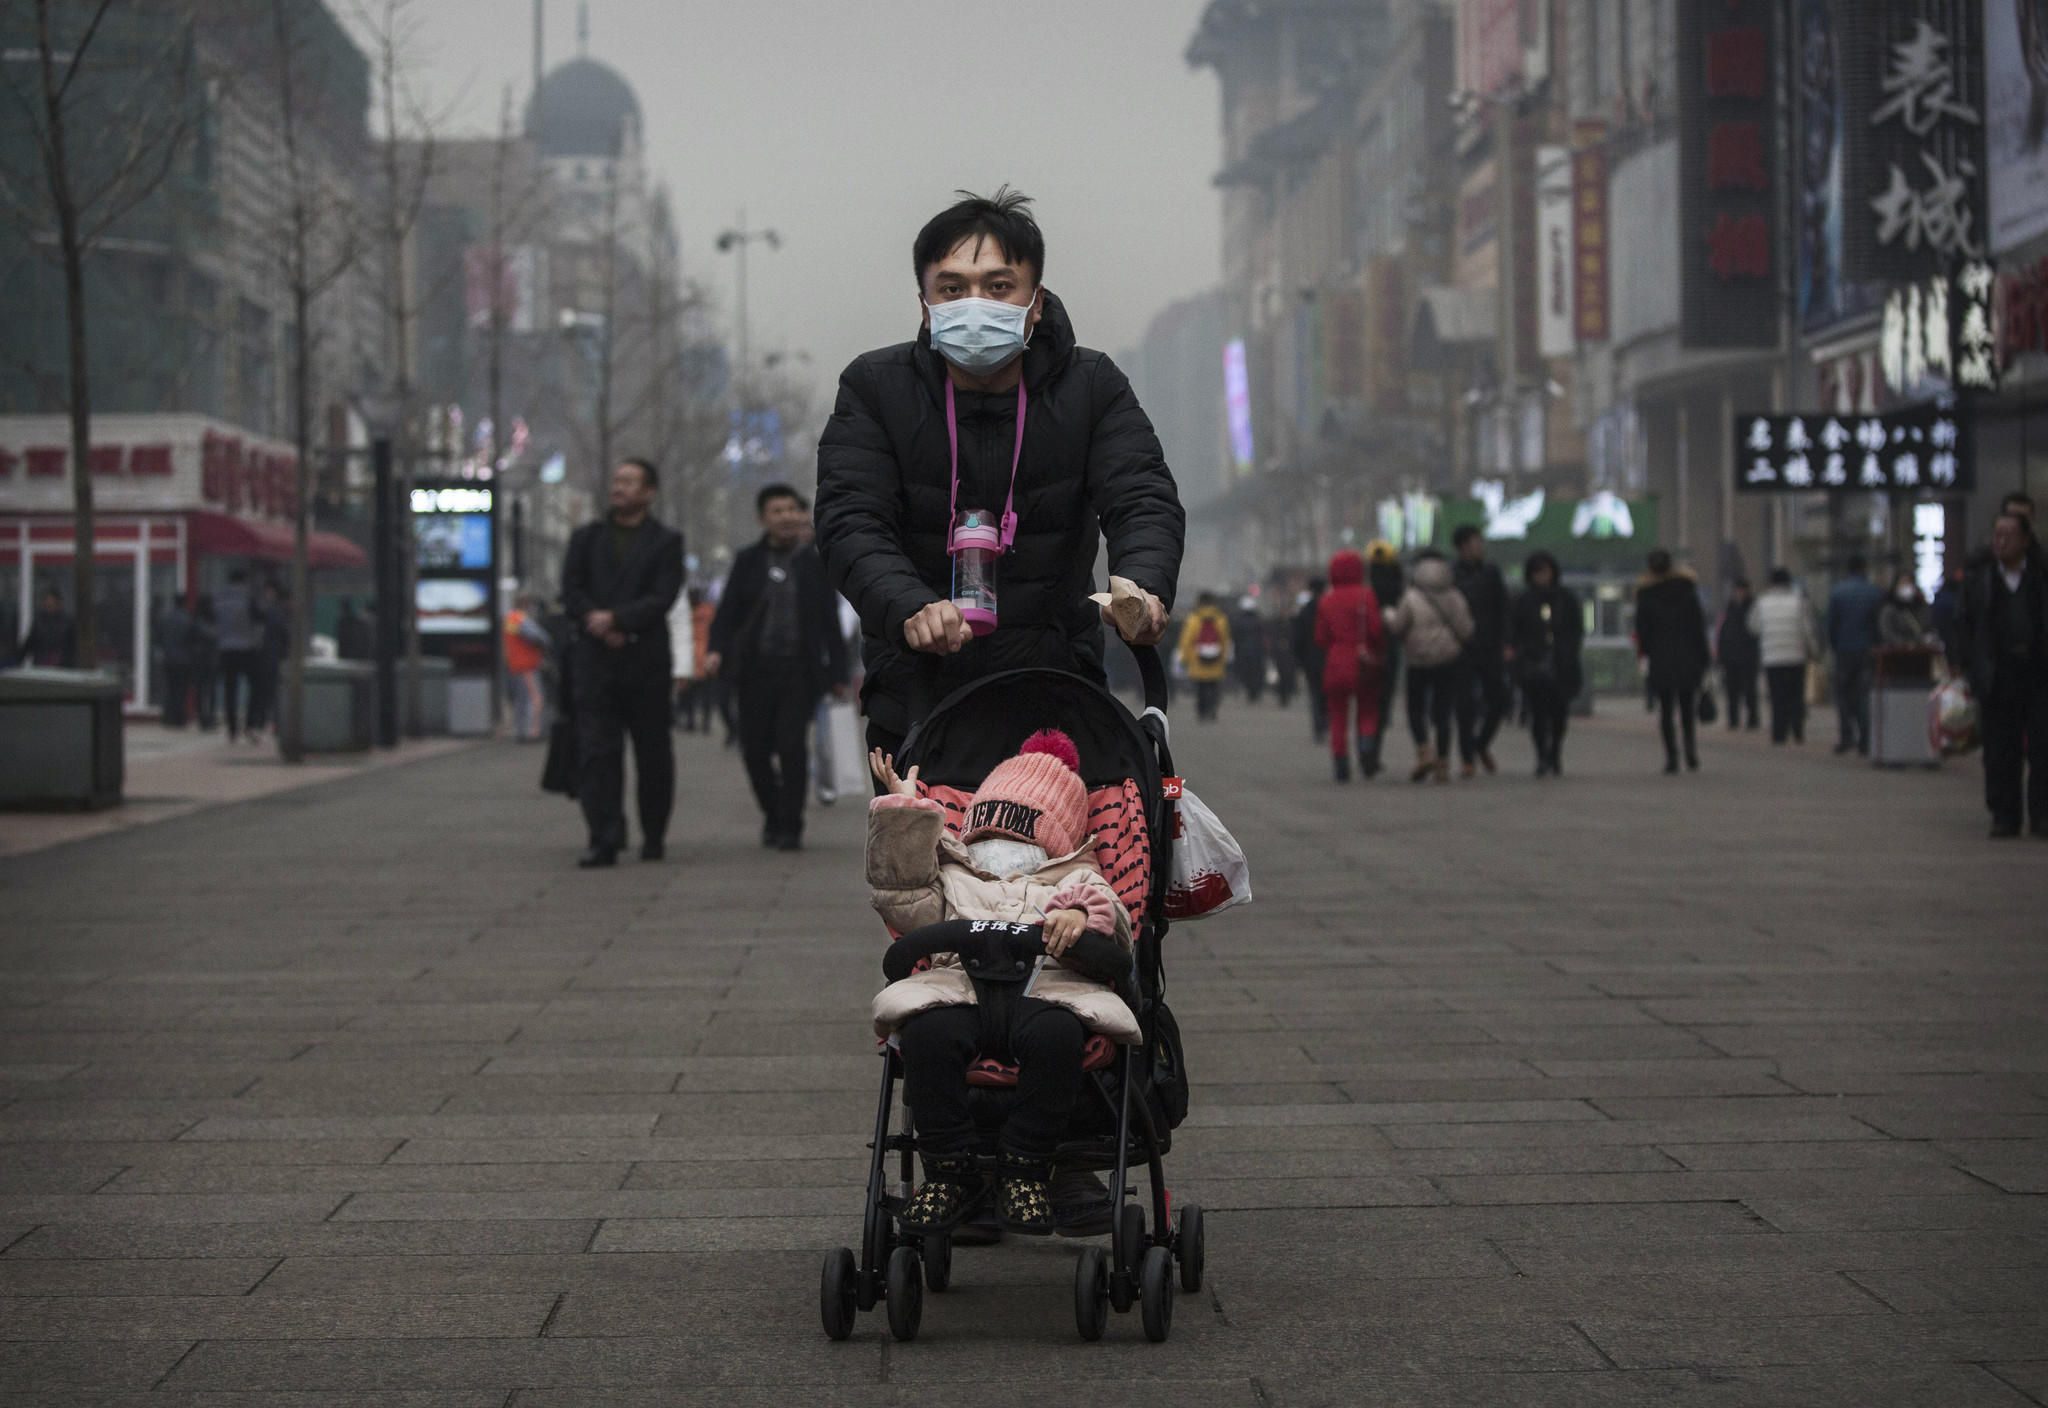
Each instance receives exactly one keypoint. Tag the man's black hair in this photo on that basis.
(771, 492)
(238, 574)
(2025, 501)
(1463, 534)
(1781, 576)
(1004, 217)
(646, 467)
(1660, 562)
(1536, 559)
(1856, 564)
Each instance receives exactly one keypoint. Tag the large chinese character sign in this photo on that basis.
(1913, 136)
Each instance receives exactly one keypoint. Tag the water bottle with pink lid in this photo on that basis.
(976, 544)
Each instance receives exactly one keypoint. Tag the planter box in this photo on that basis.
(341, 700)
(61, 744)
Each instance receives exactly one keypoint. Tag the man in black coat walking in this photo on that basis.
(993, 408)
(2002, 629)
(619, 579)
(1483, 702)
(776, 640)
(1671, 634)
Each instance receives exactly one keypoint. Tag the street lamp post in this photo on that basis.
(738, 238)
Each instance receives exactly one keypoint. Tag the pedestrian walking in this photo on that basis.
(2003, 629)
(1483, 698)
(1671, 634)
(52, 639)
(1736, 650)
(274, 615)
(1383, 574)
(174, 638)
(994, 408)
(1248, 654)
(352, 637)
(205, 663)
(1280, 641)
(697, 693)
(1783, 627)
(1433, 623)
(776, 641)
(1545, 632)
(1301, 632)
(526, 644)
(619, 578)
(1205, 653)
(239, 624)
(1852, 635)
(1352, 634)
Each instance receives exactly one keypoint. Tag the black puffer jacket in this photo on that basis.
(1091, 460)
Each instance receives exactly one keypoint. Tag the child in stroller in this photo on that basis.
(1023, 857)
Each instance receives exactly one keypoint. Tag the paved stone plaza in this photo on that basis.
(1724, 1089)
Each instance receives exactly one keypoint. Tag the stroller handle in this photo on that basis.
(1152, 673)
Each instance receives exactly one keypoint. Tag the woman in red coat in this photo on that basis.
(1353, 637)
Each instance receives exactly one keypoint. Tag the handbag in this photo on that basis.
(1209, 871)
(563, 770)
(1707, 710)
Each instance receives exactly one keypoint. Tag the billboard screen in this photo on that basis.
(1237, 402)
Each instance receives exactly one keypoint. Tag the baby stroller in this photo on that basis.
(1133, 1096)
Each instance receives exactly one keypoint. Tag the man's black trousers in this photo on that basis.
(1787, 684)
(1739, 682)
(2014, 723)
(1482, 704)
(775, 703)
(628, 694)
(1046, 1042)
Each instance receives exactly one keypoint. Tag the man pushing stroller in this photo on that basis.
(1023, 857)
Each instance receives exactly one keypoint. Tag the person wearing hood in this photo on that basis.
(994, 409)
(1735, 647)
(1205, 653)
(1671, 634)
(1545, 628)
(1352, 635)
(1433, 623)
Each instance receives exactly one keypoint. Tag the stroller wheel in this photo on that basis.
(835, 1294)
(1187, 1245)
(1156, 1286)
(938, 1260)
(906, 1294)
(1091, 1293)
(1130, 1236)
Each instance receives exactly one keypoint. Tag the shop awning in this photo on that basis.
(224, 535)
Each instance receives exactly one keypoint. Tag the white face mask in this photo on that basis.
(1003, 856)
(979, 335)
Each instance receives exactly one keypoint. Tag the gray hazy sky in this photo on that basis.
(844, 124)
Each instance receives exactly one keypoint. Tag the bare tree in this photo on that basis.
(316, 246)
(100, 147)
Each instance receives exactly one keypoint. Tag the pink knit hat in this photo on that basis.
(1036, 796)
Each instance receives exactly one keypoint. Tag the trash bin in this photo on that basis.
(1901, 684)
(341, 705)
(436, 674)
(60, 739)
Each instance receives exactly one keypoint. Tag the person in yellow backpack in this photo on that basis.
(1205, 653)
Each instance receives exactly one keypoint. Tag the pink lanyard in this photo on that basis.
(953, 442)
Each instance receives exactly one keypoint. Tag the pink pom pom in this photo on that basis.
(1051, 740)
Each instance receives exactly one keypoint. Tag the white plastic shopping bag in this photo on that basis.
(842, 763)
(1952, 718)
(1209, 870)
